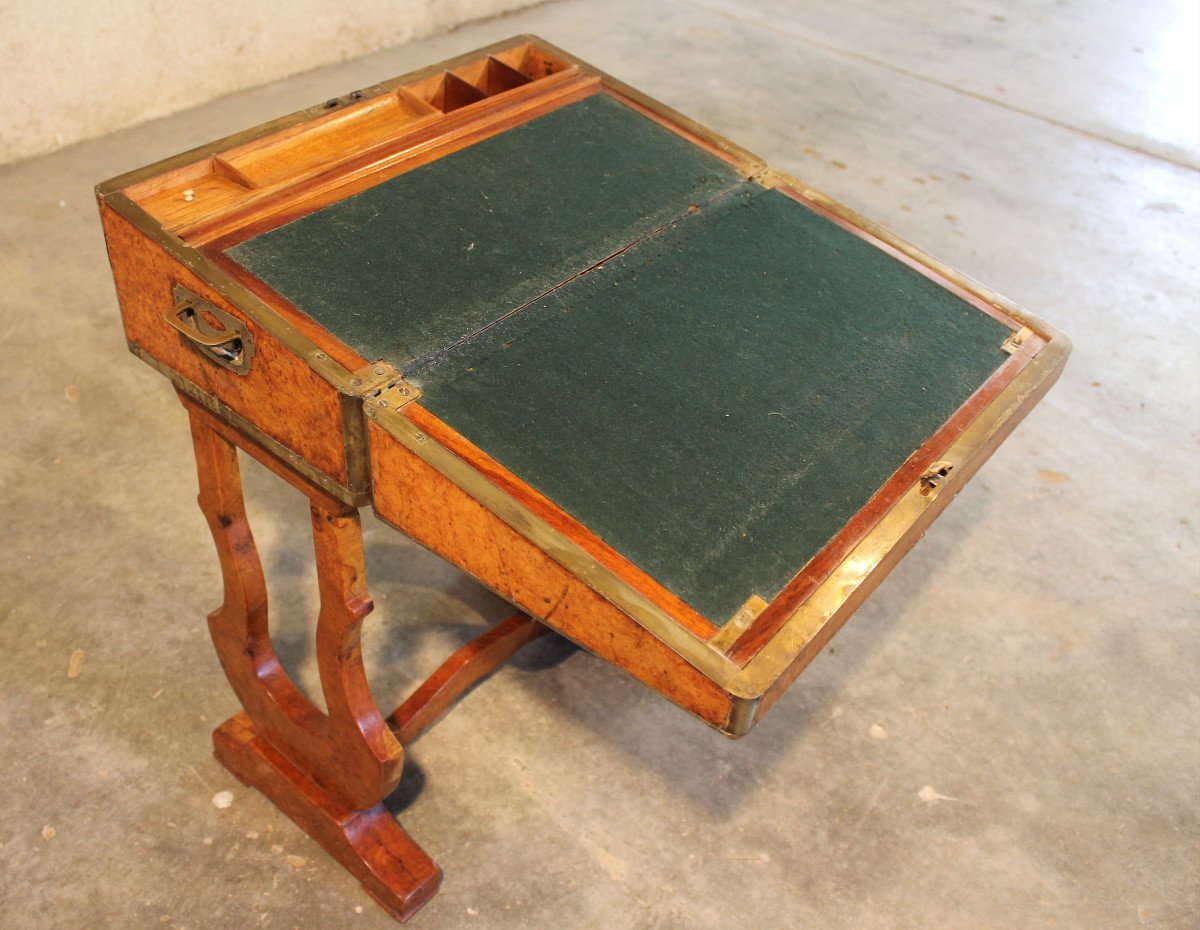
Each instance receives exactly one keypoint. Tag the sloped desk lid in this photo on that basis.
(710, 376)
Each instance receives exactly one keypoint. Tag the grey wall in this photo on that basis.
(75, 69)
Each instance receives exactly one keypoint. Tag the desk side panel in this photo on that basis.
(280, 394)
(417, 499)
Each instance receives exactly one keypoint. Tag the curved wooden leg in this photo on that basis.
(330, 771)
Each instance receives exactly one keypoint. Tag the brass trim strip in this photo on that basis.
(294, 461)
(113, 185)
(736, 625)
(356, 449)
(661, 625)
(233, 291)
(111, 192)
(834, 598)
(354, 440)
(901, 525)
(742, 714)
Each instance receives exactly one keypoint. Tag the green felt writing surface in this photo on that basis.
(717, 402)
(405, 268)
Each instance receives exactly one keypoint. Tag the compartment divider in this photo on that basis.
(198, 194)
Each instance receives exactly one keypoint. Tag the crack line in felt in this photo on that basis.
(427, 361)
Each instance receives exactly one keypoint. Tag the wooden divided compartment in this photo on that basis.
(252, 181)
(185, 199)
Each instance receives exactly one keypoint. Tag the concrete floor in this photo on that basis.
(1005, 735)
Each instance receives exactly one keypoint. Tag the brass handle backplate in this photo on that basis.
(229, 343)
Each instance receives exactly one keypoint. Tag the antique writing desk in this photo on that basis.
(666, 400)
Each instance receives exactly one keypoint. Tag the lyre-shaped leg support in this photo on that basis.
(330, 771)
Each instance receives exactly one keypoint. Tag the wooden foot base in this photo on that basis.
(369, 844)
(327, 770)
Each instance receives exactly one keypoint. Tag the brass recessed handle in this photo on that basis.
(215, 334)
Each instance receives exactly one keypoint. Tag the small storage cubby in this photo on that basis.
(359, 124)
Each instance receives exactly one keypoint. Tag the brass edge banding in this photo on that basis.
(752, 163)
(737, 723)
(260, 313)
(691, 648)
(742, 714)
(735, 626)
(238, 295)
(832, 595)
(354, 442)
(107, 188)
(363, 382)
(773, 177)
(294, 461)
(111, 192)
(745, 685)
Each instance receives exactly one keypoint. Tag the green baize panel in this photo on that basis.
(714, 402)
(718, 401)
(405, 268)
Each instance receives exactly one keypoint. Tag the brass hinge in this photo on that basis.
(370, 378)
(388, 394)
